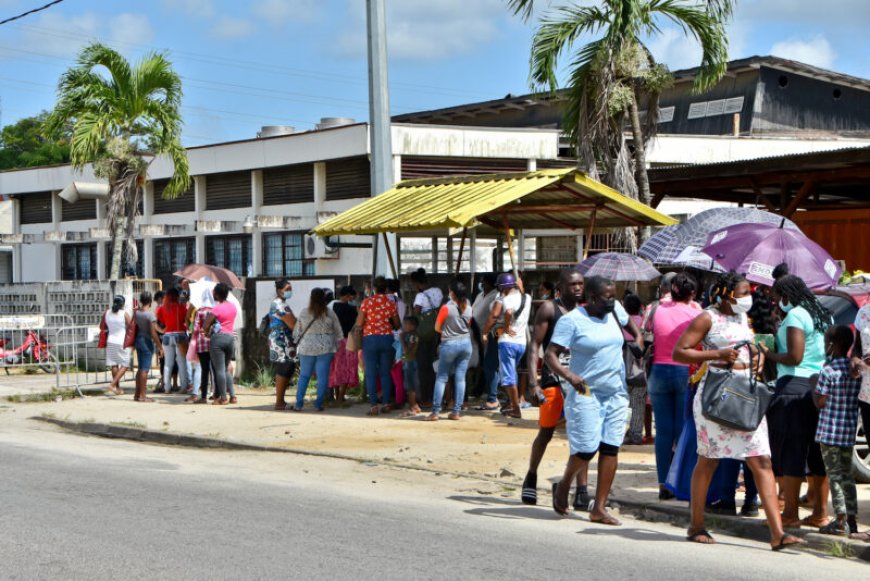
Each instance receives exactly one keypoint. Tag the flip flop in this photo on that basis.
(283, 408)
(783, 544)
(559, 510)
(860, 537)
(373, 411)
(486, 408)
(431, 418)
(696, 536)
(607, 520)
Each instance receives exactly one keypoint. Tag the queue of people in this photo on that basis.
(587, 359)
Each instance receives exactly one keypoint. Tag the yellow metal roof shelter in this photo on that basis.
(557, 198)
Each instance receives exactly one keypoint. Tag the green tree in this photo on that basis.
(613, 77)
(24, 144)
(122, 117)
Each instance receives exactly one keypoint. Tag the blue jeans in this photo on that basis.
(667, 390)
(144, 352)
(730, 475)
(453, 358)
(412, 383)
(490, 371)
(309, 364)
(378, 356)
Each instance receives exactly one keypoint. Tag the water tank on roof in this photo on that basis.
(327, 122)
(275, 130)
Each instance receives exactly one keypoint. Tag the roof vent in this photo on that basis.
(329, 122)
(275, 130)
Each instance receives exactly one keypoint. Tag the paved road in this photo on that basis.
(84, 508)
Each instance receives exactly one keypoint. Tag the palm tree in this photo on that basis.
(614, 77)
(122, 117)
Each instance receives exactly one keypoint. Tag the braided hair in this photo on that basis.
(724, 286)
(795, 291)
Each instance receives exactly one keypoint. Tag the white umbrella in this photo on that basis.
(196, 298)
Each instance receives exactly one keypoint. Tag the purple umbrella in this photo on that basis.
(756, 249)
(618, 267)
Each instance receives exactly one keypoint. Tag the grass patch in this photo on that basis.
(262, 377)
(840, 550)
(130, 424)
(43, 397)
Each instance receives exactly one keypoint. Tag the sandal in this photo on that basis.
(529, 494)
(201, 400)
(373, 411)
(606, 520)
(561, 511)
(787, 541)
(282, 407)
(386, 408)
(220, 401)
(431, 418)
(835, 527)
(697, 537)
(192, 399)
(487, 407)
(144, 399)
(408, 414)
(816, 522)
(454, 416)
(860, 537)
(234, 399)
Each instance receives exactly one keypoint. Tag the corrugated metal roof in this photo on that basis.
(556, 198)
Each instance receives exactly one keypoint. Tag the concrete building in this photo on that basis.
(251, 202)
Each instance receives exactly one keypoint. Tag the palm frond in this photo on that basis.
(523, 8)
(557, 33)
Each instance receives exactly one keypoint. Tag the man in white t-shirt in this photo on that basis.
(511, 309)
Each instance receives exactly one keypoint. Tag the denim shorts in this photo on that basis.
(509, 356)
(144, 352)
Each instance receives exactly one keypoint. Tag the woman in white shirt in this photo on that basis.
(117, 357)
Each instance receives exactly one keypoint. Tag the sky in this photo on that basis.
(246, 64)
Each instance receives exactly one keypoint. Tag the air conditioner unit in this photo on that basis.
(314, 246)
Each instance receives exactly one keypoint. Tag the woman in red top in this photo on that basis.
(171, 316)
(378, 317)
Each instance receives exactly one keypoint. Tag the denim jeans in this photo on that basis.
(172, 354)
(378, 356)
(453, 358)
(195, 375)
(412, 382)
(144, 352)
(490, 371)
(667, 390)
(309, 364)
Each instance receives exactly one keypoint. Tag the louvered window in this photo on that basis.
(289, 184)
(186, 202)
(348, 178)
(36, 208)
(228, 190)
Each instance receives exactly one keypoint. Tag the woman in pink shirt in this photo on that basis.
(219, 324)
(669, 380)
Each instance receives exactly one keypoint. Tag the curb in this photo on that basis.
(752, 529)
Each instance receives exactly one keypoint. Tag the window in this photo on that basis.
(137, 269)
(283, 256)
(186, 202)
(172, 254)
(229, 190)
(79, 261)
(230, 252)
(348, 178)
(36, 208)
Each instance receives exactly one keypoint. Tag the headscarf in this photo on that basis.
(207, 300)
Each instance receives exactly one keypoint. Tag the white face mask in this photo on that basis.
(742, 305)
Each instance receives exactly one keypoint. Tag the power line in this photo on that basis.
(29, 12)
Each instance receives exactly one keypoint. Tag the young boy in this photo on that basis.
(836, 396)
(410, 342)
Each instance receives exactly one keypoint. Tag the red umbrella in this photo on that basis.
(216, 274)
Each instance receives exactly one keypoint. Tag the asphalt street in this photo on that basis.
(84, 508)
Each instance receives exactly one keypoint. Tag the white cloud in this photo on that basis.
(815, 51)
(227, 28)
(279, 12)
(62, 35)
(427, 29)
(673, 48)
(198, 8)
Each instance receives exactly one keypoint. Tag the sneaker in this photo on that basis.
(749, 509)
(582, 498)
(529, 494)
(724, 508)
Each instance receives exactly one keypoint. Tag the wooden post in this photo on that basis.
(473, 260)
(390, 255)
(510, 244)
(589, 233)
(461, 249)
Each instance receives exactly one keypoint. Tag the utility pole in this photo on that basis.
(379, 127)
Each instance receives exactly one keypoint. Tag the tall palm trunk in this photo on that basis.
(641, 176)
(119, 196)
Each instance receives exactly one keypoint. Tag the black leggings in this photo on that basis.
(205, 363)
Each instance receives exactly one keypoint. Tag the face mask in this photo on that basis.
(545, 297)
(286, 295)
(785, 307)
(608, 305)
(480, 286)
(742, 305)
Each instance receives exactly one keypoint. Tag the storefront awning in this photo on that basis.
(547, 199)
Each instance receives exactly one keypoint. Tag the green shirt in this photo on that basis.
(814, 344)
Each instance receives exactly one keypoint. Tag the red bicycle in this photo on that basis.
(33, 350)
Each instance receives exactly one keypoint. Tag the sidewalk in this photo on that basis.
(483, 445)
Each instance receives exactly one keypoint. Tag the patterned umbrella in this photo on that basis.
(618, 267)
(695, 230)
(692, 257)
(652, 248)
(213, 273)
(757, 248)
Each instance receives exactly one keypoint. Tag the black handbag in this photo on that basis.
(735, 400)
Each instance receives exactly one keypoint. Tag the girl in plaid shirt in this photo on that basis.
(836, 395)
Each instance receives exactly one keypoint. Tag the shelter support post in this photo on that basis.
(472, 262)
(510, 244)
(589, 232)
(458, 268)
(390, 255)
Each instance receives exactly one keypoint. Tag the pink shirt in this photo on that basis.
(669, 321)
(638, 320)
(225, 313)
